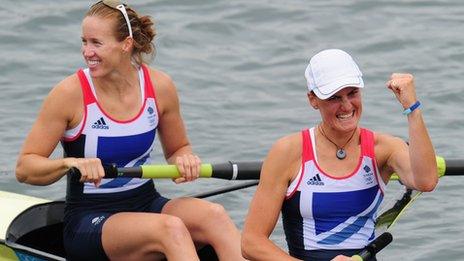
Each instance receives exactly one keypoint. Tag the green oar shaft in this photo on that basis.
(171, 171)
(153, 172)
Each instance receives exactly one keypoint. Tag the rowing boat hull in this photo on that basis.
(12, 205)
(10, 254)
(32, 229)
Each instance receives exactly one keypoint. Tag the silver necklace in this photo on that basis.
(341, 153)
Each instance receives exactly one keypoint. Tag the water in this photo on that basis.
(238, 66)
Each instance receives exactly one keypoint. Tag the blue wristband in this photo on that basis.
(416, 105)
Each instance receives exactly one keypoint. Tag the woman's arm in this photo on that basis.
(173, 136)
(58, 110)
(279, 167)
(415, 164)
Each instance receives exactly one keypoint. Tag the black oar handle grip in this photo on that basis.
(454, 167)
(237, 170)
(374, 247)
(111, 171)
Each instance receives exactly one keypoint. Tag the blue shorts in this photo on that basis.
(83, 229)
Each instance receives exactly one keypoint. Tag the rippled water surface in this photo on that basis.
(239, 65)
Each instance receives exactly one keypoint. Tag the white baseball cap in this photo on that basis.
(331, 70)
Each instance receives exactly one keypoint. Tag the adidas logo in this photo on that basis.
(316, 180)
(100, 124)
(97, 220)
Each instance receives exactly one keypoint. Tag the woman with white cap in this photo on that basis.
(329, 180)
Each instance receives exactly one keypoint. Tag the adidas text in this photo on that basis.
(315, 182)
(103, 127)
(100, 124)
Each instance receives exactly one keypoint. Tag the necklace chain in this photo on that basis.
(341, 153)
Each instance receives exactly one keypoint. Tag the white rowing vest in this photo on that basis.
(124, 143)
(326, 212)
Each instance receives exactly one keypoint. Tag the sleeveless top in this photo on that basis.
(124, 143)
(331, 213)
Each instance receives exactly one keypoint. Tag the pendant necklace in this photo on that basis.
(341, 153)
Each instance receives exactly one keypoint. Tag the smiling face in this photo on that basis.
(101, 50)
(341, 111)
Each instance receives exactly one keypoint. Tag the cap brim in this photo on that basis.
(335, 86)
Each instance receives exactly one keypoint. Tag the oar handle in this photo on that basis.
(374, 247)
(249, 170)
(454, 167)
(242, 170)
(245, 170)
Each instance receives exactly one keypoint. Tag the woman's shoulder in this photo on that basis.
(289, 145)
(163, 83)
(68, 87)
(290, 139)
(166, 92)
(159, 77)
(284, 157)
(64, 98)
